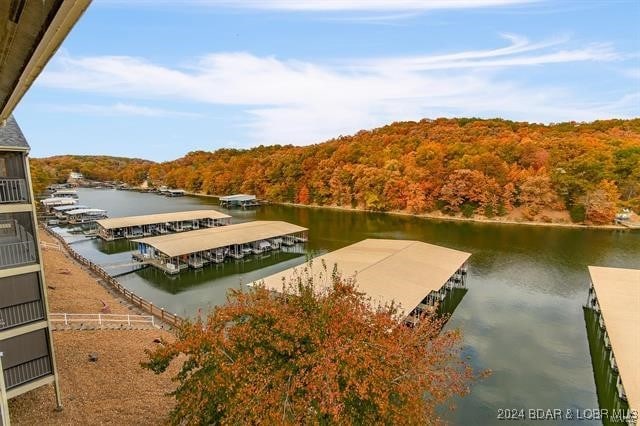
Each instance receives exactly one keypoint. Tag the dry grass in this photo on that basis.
(113, 390)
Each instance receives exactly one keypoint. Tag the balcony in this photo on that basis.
(17, 245)
(27, 371)
(23, 313)
(13, 190)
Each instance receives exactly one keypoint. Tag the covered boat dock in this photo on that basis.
(172, 253)
(160, 224)
(49, 203)
(416, 276)
(239, 200)
(85, 215)
(614, 295)
(60, 211)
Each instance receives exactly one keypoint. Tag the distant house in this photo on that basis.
(76, 176)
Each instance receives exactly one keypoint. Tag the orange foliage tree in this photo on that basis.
(410, 166)
(303, 195)
(601, 203)
(536, 193)
(311, 356)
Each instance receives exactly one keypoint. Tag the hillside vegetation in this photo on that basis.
(45, 171)
(455, 166)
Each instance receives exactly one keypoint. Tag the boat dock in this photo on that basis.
(614, 296)
(416, 276)
(160, 224)
(87, 215)
(65, 193)
(49, 203)
(173, 253)
(60, 211)
(239, 200)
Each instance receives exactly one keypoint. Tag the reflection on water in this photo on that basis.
(521, 317)
(603, 373)
(175, 284)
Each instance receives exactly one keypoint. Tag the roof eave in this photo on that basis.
(64, 20)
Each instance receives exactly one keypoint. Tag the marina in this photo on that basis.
(173, 253)
(388, 271)
(159, 224)
(614, 298)
(521, 310)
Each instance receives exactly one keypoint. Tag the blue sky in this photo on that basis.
(157, 79)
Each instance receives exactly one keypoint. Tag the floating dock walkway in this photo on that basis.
(159, 224)
(414, 275)
(614, 295)
(173, 253)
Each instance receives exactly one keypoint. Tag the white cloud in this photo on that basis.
(120, 109)
(304, 102)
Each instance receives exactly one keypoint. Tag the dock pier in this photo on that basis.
(159, 224)
(614, 304)
(196, 249)
(392, 271)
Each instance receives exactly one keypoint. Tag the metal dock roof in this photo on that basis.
(618, 293)
(403, 271)
(85, 211)
(211, 238)
(123, 222)
(238, 197)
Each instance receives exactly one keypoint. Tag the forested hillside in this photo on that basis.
(455, 166)
(45, 171)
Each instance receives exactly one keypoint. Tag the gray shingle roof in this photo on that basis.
(12, 136)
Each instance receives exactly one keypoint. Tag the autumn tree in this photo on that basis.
(601, 203)
(536, 193)
(317, 353)
(469, 187)
(303, 195)
(467, 165)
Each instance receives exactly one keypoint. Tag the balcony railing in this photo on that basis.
(15, 254)
(16, 244)
(26, 372)
(12, 316)
(13, 190)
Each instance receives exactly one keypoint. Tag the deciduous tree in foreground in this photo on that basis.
(319, 353)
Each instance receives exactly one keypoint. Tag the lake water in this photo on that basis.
(522, 317)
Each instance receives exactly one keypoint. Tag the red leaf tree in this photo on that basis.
(311, 356)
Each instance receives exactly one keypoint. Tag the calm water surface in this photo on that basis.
(522, 317)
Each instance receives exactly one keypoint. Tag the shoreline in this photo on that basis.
(165, 318)
(90, 388)
(430, 216)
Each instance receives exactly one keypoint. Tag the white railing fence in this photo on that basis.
(55, 246)
(102, 319)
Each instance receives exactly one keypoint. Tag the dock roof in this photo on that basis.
(85, 211)
(403, 271)
(58, 201)
(70, 207)
(618, 293)
(222, 236)
(238, 197)
(123, 222)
